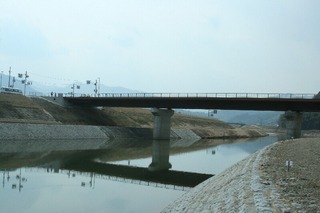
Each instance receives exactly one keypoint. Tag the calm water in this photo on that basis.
(40, 180)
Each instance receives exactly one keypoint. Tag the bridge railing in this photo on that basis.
(111, 178)
(196, 95)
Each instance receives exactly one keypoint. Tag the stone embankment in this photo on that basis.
(262, 183)
(51, 131)
(23, 131)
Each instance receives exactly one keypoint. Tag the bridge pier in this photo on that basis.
(160, 156)
(162, 123)
(293, 124)
(161, 142)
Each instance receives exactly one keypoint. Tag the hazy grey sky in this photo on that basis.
(167, 45)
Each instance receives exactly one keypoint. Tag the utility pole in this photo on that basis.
(99, 88)
(95, 90)
(1, 77)
(96, 87)
(9, 77)
(13, 81)
(25, 82)
(73, 88)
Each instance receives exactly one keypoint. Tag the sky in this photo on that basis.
(165, 46)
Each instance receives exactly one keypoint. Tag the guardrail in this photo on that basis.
(195, 95)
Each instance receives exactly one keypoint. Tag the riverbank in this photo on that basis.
(262, 183)
(16, 110)
(26, 131)
(53, 131)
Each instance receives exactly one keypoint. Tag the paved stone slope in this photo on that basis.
(262, 183)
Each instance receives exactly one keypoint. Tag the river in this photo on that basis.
(85, 180)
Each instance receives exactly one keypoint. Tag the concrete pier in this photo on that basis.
(162, 123)
(160, 155)
(161, 142)
(293, 124)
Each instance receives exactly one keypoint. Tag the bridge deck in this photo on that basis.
(243, 101)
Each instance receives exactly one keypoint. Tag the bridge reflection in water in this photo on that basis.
(157, 172)
(81, 161)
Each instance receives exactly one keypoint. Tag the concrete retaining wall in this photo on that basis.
(21, 131)
(17, 131)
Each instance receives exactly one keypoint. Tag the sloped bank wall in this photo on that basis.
(21, 131)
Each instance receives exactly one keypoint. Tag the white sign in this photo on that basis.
(289, 163)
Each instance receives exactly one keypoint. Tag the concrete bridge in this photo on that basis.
(161, 105)
(226, 101)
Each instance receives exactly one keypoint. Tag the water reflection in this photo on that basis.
(94, 175)
(209, 156)
(15, 183)
(160, 155)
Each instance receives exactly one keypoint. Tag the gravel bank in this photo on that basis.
(262, 183)
(296, 190)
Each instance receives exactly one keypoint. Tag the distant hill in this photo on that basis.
(249, 117)
(237, 116)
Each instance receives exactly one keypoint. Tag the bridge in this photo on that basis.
(226, 101)
(161, 105)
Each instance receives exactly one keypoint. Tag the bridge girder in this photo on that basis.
(262, 104)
